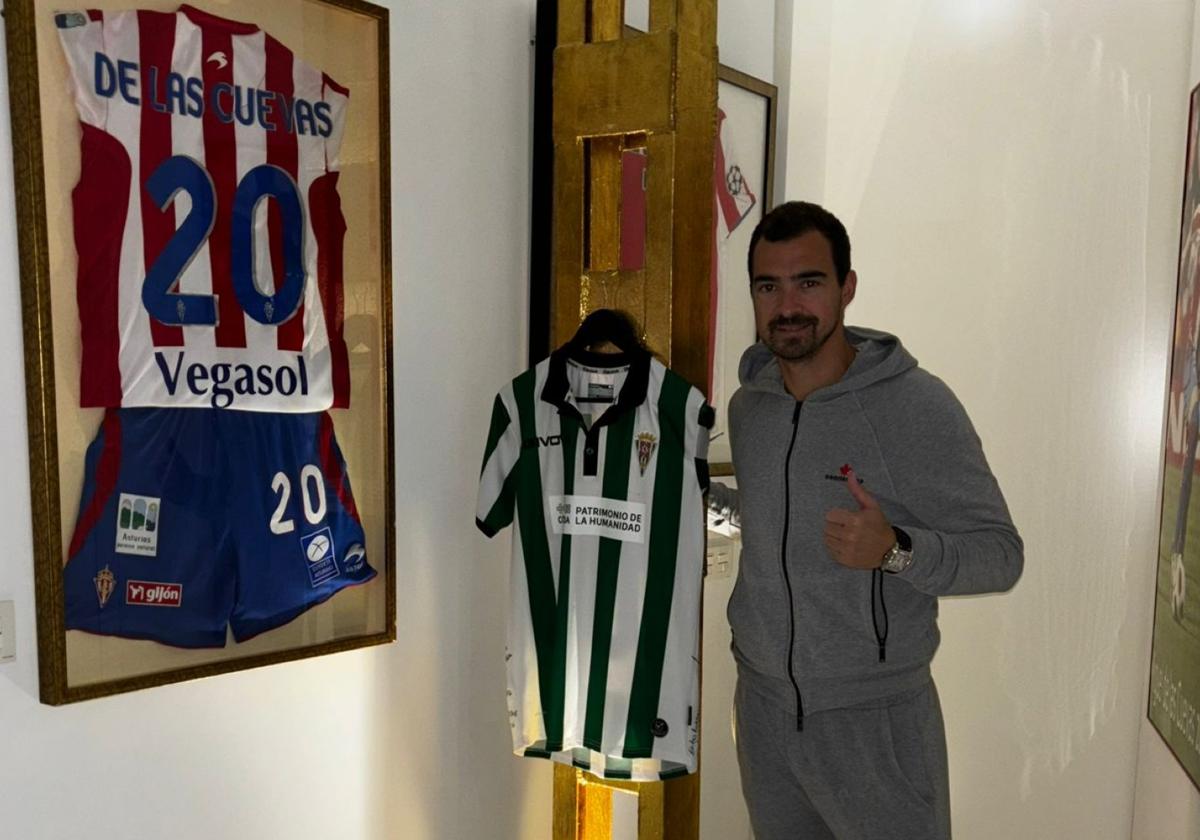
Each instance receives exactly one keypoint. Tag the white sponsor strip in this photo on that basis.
(595, 516)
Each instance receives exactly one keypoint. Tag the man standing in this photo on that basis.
(863, 494)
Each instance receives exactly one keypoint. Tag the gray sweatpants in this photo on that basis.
(872, 772)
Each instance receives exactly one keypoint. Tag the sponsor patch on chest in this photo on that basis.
(595, 516)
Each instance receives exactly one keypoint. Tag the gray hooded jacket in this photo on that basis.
(809, 633)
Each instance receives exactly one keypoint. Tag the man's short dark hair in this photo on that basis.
(796, 218)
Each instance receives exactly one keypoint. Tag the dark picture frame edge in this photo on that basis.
(33, 260)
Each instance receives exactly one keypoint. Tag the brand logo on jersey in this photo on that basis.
(219, 59)
(148, 593)
(105, 582)
(138, 525)
(547, 440)
(646, 444)
(356, 556)
(223, 382)
(320, 556)
(659, 728)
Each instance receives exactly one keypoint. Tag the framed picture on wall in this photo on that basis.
(204, 235)
(1174, 706)
(744, 178)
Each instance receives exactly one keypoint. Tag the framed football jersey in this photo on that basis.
(203, 206)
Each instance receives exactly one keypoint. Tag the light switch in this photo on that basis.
(8, 631)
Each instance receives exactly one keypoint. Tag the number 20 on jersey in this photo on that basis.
(182, 173)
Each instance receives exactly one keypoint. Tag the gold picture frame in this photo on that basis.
(348, 41)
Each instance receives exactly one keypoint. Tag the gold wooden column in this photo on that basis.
(657, 92)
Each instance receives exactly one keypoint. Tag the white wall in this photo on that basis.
(1010, 173)
(404, 741)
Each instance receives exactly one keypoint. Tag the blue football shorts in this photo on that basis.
(192, 519)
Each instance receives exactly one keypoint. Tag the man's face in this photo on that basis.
(798, 304)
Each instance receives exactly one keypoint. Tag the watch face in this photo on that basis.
(897, 560)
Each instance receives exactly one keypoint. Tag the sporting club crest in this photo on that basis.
(646, 444)
(105, 582)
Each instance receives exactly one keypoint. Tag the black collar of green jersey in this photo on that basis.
(633, 390)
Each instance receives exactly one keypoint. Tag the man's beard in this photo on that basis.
(796, 346)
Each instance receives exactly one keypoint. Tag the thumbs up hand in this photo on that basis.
(858, 538)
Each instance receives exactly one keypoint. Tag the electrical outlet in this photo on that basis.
(8, 631)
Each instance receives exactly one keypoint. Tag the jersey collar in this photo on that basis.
(633, 390)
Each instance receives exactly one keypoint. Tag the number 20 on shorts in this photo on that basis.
(312, 500)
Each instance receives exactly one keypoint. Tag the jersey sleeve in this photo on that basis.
(497, 478)
(338, 100)
(82, 38)
(701, 418)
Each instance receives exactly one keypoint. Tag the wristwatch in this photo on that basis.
(900, 555)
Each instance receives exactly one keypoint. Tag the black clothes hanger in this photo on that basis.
(606, 325)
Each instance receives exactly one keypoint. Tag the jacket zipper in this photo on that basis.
(787, 580)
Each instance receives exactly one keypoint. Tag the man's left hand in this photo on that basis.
(859, 538)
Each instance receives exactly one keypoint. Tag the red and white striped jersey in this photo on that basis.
(207, 220)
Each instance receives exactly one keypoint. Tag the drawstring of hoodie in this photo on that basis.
(787, 578)
(881, 638)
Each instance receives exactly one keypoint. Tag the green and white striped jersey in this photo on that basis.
(601, 461)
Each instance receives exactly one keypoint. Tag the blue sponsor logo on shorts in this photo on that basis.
(320, 556)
